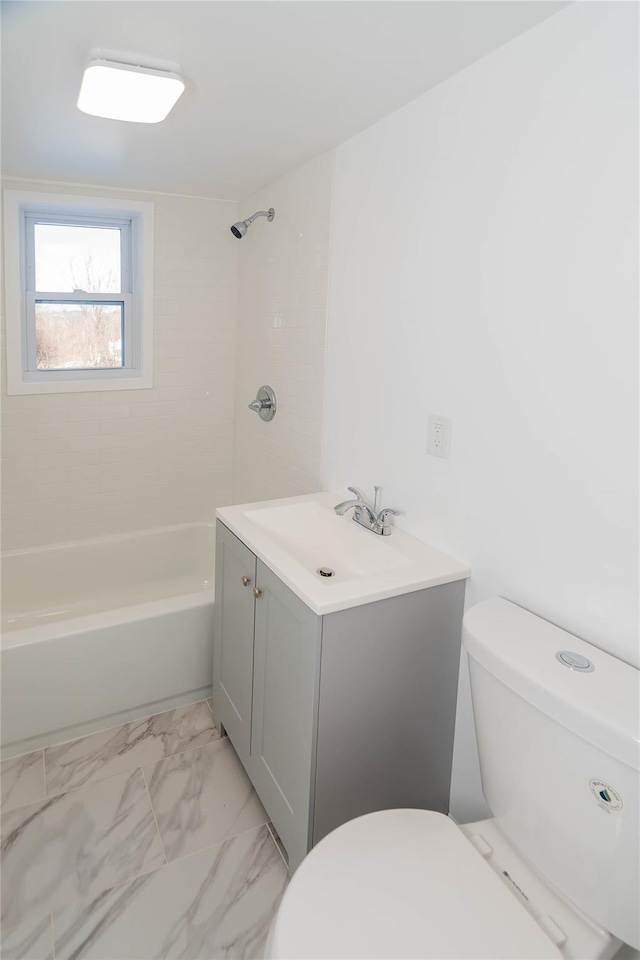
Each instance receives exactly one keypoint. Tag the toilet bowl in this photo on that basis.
(553, 874)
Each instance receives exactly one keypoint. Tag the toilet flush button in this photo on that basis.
(575, 661)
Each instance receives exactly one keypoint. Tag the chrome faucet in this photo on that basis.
(367, 515)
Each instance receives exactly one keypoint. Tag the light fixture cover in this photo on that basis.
(124, 91)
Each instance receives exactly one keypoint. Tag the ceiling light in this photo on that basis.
(128, 87)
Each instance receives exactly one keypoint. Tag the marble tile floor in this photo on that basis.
(143, 841)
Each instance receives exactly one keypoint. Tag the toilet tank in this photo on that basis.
(559, 756)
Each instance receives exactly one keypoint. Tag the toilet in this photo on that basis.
(553, 873)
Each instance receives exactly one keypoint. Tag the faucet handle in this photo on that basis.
(382, 520)
(358, 493)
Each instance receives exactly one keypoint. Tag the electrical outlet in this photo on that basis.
(439, 436)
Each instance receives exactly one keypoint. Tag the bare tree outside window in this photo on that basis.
(77, 334)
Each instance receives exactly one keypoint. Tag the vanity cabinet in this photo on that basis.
(338, 715)
(233, 646)
(285, 706)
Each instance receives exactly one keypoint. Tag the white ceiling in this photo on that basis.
(270, 83)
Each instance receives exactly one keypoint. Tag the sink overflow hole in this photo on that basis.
(326, 572)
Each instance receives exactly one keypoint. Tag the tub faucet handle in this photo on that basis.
(265, 403)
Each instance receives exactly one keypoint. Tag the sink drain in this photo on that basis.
(326, 572)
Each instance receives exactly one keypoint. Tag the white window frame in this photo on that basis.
(22, 209)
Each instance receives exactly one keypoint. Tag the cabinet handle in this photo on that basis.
(246, 581)
(257, 593)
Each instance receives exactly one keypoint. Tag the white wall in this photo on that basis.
(282, 314)
(483, 267)
(87, 464)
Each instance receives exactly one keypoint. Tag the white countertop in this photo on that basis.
(296, 535)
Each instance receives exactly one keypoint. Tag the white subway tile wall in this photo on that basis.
(282, 316)
(79, 465)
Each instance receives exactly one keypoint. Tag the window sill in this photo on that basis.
(80, 385)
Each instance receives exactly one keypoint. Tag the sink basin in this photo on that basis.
(296, 536)
(316, 537)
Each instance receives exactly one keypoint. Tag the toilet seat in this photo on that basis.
(402, 883)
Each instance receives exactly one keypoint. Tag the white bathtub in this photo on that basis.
(98, 632)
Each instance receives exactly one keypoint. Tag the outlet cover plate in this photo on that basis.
(439, 436)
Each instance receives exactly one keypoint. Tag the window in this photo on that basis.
(79, 293)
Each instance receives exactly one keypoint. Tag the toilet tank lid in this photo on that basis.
(519, 649)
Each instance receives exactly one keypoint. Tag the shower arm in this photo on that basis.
(269, 214)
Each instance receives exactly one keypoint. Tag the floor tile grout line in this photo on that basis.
(53, 936)
(122, 883)
(112, 776)
(155, 819)
(149, 763)
(217, 843)
(167, 862)
(148, 873)
(50, 912)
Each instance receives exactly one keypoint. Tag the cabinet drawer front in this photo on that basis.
(233, 638)
(285, 699)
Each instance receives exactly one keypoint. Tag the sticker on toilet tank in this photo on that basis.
(607, 797)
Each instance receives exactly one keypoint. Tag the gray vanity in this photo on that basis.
(333, 714)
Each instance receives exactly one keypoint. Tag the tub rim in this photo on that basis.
(106, 538)
(116, 616)
(105, 619)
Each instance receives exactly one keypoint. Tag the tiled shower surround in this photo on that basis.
(282, 319)
(79, 465)
(145, 840)
(229, 316)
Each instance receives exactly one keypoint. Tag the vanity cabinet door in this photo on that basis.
(285, 706)
(233, 638)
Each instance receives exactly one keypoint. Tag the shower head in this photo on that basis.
(240, 228)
